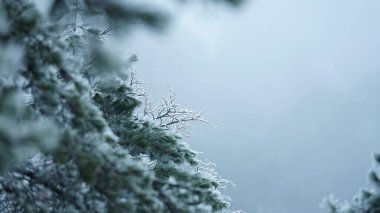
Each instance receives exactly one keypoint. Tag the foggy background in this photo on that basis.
(293, 86)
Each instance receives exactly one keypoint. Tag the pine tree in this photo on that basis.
(366, 201)
(76, 133)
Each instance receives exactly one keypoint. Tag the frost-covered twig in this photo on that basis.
(168, 114)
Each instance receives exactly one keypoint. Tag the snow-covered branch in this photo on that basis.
(166, 112)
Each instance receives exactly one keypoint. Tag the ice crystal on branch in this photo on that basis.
(166, 112)
(71, 137)
(367, 200)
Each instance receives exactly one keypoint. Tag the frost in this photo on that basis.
(43, 6)
(10, 59)
(4, 24)
(335, 206)
(167, 113)
(78, 131)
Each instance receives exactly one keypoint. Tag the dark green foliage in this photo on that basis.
(71, 139)
(368, 200)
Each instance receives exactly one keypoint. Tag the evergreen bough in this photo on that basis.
(366, 201)
(72, 137)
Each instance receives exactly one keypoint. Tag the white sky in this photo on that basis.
(293, 86)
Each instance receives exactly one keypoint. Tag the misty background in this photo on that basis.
(292, 86)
